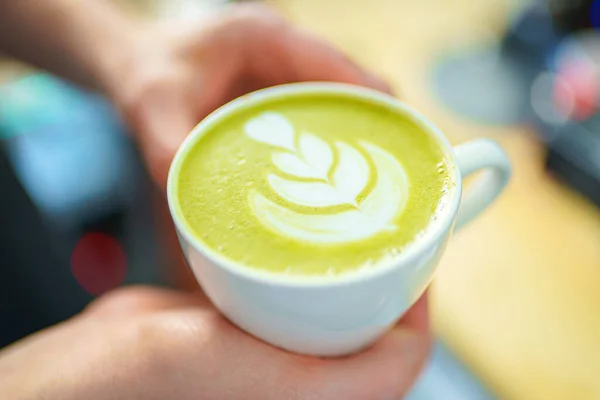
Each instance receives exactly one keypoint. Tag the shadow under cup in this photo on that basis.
(339, 315)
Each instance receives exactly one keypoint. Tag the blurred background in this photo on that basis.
(516, 303)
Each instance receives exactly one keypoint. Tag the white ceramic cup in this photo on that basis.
(333, 316)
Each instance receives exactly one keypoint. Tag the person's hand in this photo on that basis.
(179, 74)
(146, 343)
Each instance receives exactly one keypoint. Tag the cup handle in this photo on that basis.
(486, 155)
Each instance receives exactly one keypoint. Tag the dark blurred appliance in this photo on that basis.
(574, 157)
(574, 145)
(544, 72)
(68, 168)
(559, 42)
(572, 15)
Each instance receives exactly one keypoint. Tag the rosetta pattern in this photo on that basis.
(317, 174)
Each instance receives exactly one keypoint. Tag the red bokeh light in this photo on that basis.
(98, 263)
(578, 93)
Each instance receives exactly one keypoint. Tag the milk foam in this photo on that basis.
(309, 177)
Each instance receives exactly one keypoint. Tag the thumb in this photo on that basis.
(163, 126)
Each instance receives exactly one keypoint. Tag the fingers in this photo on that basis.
(140, 299)
(386, 370)
(398, 359)
(311, 59)
(277, 52)
(156, 106)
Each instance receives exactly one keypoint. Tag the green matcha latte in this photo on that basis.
(311, 184)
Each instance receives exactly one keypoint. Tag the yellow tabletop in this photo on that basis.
(518, 292)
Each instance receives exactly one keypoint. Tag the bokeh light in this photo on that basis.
(552, 99)
(98, 263)
(580, 91)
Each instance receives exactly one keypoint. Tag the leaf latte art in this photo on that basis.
(320, 175)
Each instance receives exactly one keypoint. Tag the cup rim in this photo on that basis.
(432, 235)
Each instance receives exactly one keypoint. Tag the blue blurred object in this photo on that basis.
(483, 85)
(68, 169)
(68, 148)
(447, 378)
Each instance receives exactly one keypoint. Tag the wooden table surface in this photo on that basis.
(517, 295)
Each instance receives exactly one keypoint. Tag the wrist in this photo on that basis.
(102, 42)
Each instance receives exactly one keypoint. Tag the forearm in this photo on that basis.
(86, 41)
